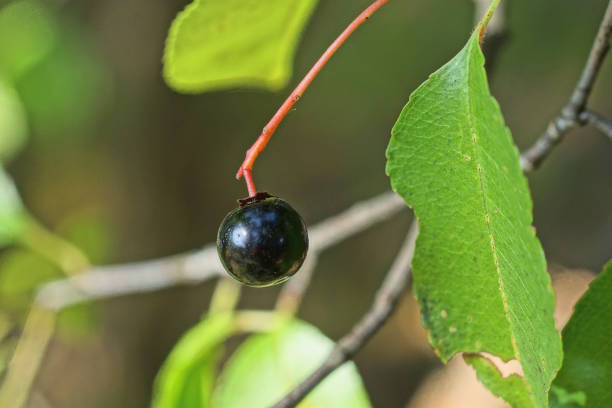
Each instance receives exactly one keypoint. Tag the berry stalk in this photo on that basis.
(260, 144)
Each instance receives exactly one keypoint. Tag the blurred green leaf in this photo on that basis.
(560, 398)
(90, 232)
(66, 90)
(266, 366)
(187, 376)
(234, 43)
(13, 217)
(587, 345)
(27, 34)
(78, 322)
(13, 123)
(479, 270)
(21, 272)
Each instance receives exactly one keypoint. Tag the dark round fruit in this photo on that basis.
(263, 242)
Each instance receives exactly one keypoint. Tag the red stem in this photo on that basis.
(268, 130)
(248, 178)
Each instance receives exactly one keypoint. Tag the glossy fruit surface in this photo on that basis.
(263, 242)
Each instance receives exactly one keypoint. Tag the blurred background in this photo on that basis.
(128, 170)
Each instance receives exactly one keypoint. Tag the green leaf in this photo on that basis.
(587, 345)
(65, 91)
(21, 273)
(13, 217)
(479, 270)
(560, 398)
(234, 43)
(78, 322)
(267, 366)
(27, 34)
(187, 376)
(89, 230)
(13, 123)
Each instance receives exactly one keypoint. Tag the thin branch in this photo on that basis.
(592, 118)
(571, 112)
(139, 277)
(24, 365)
(335, 229)
(195, 267)
(384, 304)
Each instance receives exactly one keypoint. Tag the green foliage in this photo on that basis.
(560, 398)
(13, 124)
(65, 91)
(13, 217)
(21, 272)
(234, 43)
(267, 366)
(27, 34)
(587, 347)
(187, 377)
(90, 231)
(479, 270)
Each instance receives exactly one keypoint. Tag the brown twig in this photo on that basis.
(571, 113)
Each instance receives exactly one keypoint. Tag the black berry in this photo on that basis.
(263, 242)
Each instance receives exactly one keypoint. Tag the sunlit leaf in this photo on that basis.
(27, 34)
(267, 366)
(587, 347)
(479, 270)
(234, 43)
(187, 377)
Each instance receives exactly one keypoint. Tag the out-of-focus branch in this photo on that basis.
(571, 113)
(37, 332)
(199, 266)
(138, 277)
(385, 301)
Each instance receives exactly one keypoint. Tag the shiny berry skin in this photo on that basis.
(263, 242)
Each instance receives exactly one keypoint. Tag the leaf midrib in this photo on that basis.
(474, 139)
